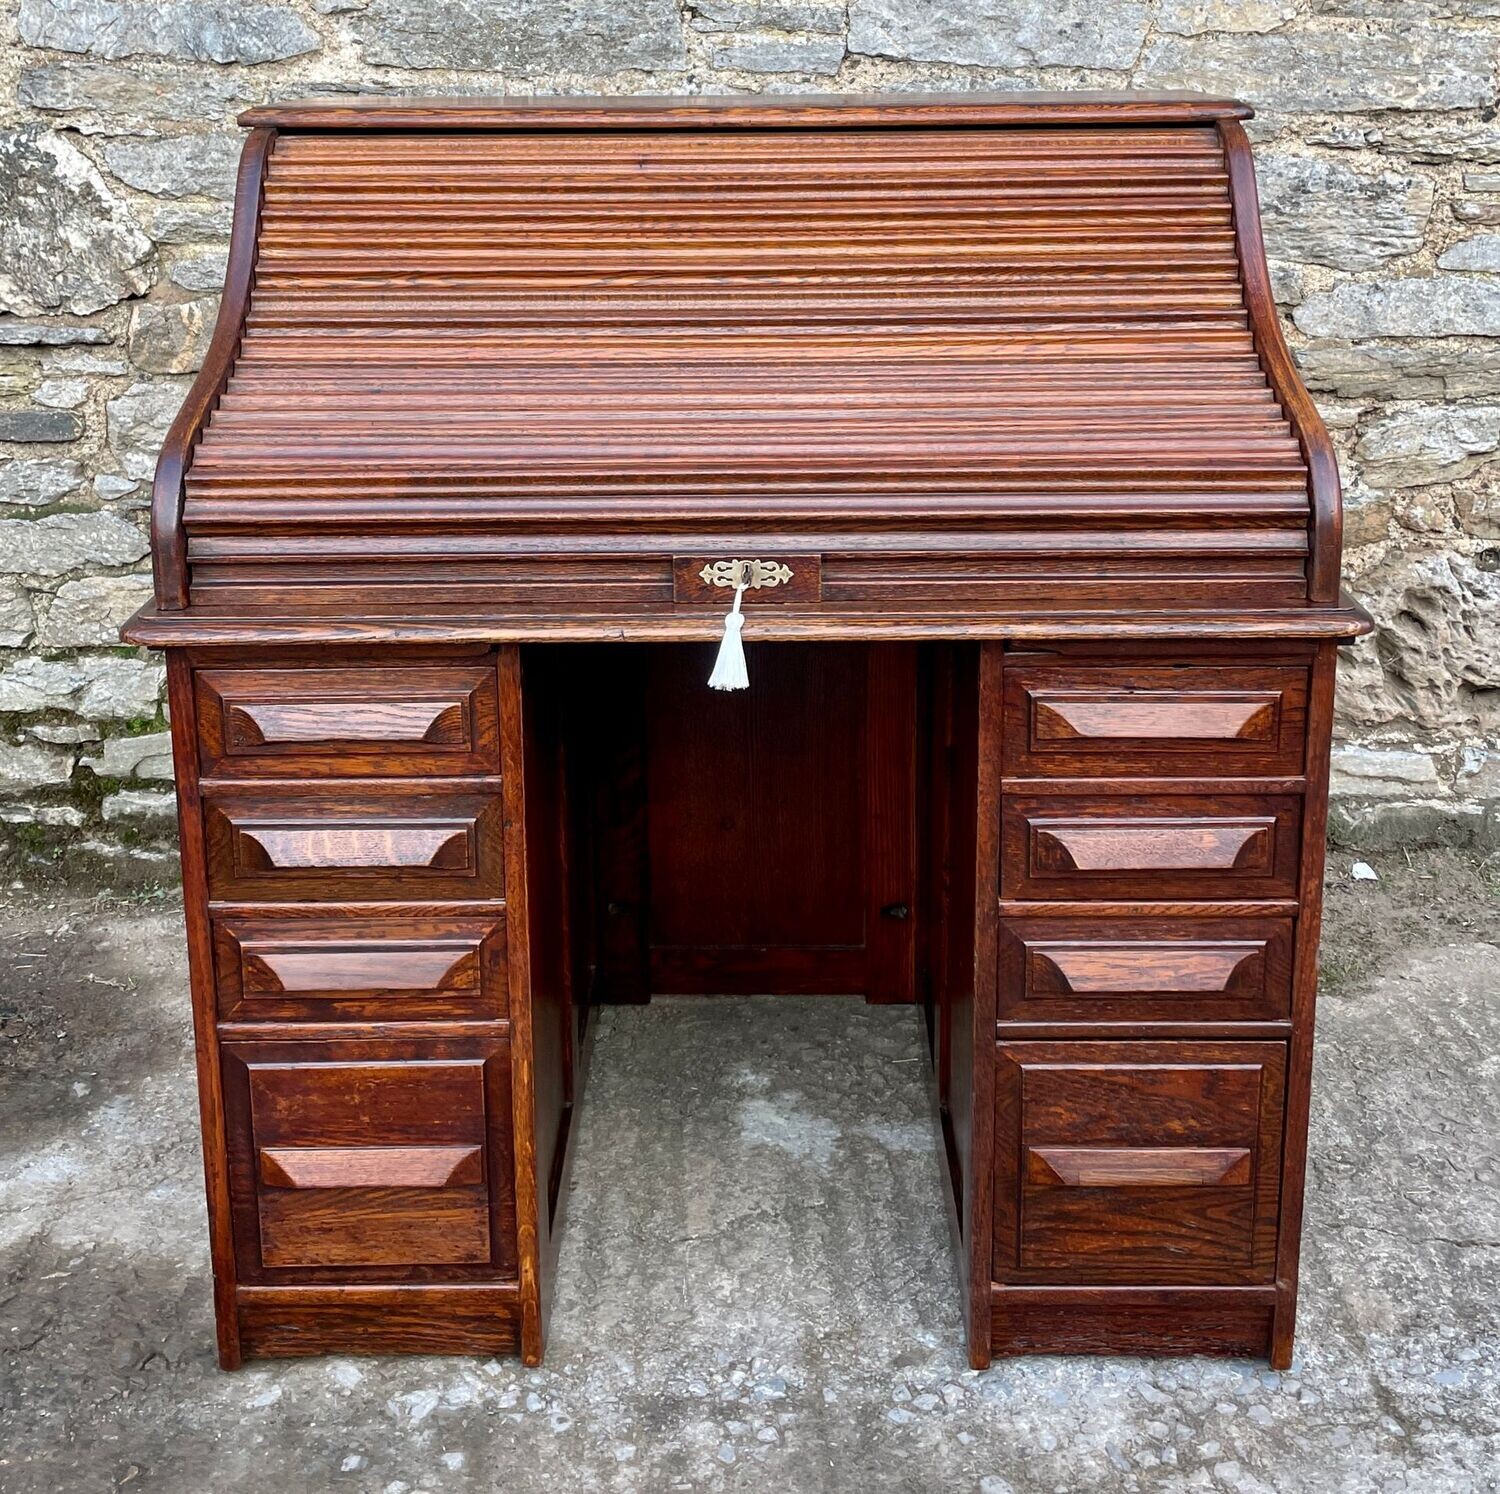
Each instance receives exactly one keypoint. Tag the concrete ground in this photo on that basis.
(755, 1290)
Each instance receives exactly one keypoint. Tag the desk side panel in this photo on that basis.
(180, 699)
(168, 537)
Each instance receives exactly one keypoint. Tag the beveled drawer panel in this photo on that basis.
(376, 1158)
(326, 845)
(339, 968)
(418, 720)
(1066, 969)
(1081, 720)
(1138, 1161)
(1149, 846)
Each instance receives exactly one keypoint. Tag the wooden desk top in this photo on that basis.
(741, 111)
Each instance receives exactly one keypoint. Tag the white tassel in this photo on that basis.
(729, 668)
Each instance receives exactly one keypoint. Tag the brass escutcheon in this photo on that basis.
(751, 574)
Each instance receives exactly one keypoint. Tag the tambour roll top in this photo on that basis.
(982, 357)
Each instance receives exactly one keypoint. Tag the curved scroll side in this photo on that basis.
(1325, 539)
(168, 543)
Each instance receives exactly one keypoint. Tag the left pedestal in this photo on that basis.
(354, 841)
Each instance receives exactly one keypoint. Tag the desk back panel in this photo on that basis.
(780, 837)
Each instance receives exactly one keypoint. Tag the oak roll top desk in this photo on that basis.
(992, 391)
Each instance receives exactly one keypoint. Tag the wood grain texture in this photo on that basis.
(1001, 377)
(383, 1227)
(804, 111)
(347, 1100)
(408, 1318)
(168, 540)
(370, 1166)
(973, 368)
(1077, 719)
(1160, 846)
(1142, 908)
(285, 970)
(1326, 538)
(557, 981)
(1138, 1161)
(368, 1158)
(1105, 968)
(1125, 844)
(1165, 1180)
(982, 1107)
(397, 842)
(1138, 1166)
(181, 704)
(529, 1188)
(803, 585)
(1108, 968)
(1084, 716)
(311, 722)
(346, 967)
(1208, 1320)
(780, 838)
(269, 847)
(1148, 627)
(1304, 1004)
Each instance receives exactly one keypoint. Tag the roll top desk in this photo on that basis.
(992, 392)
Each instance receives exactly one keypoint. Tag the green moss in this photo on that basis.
(1337, 972)
(18, 719)
(140, 726)
(90, 790)
(32, 839)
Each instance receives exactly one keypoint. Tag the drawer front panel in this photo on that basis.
(1143, 1162)
(1149, 847)
(397, 844)
(375, 1157)
(1193, 720)
(343, 969)
(1145, 970)
(431, 720)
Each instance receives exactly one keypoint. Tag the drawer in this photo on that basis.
(1074, 720)
(428, 720)
(1149, 846)
(342, 969)
(327, 845)
(1145, 970)
(369, 1157)
(1132, 1161)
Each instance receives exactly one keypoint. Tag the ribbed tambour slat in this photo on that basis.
(464, 349)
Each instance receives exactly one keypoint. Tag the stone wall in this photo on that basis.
(1379, 155)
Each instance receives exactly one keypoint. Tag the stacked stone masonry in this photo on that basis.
(1379, 159)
